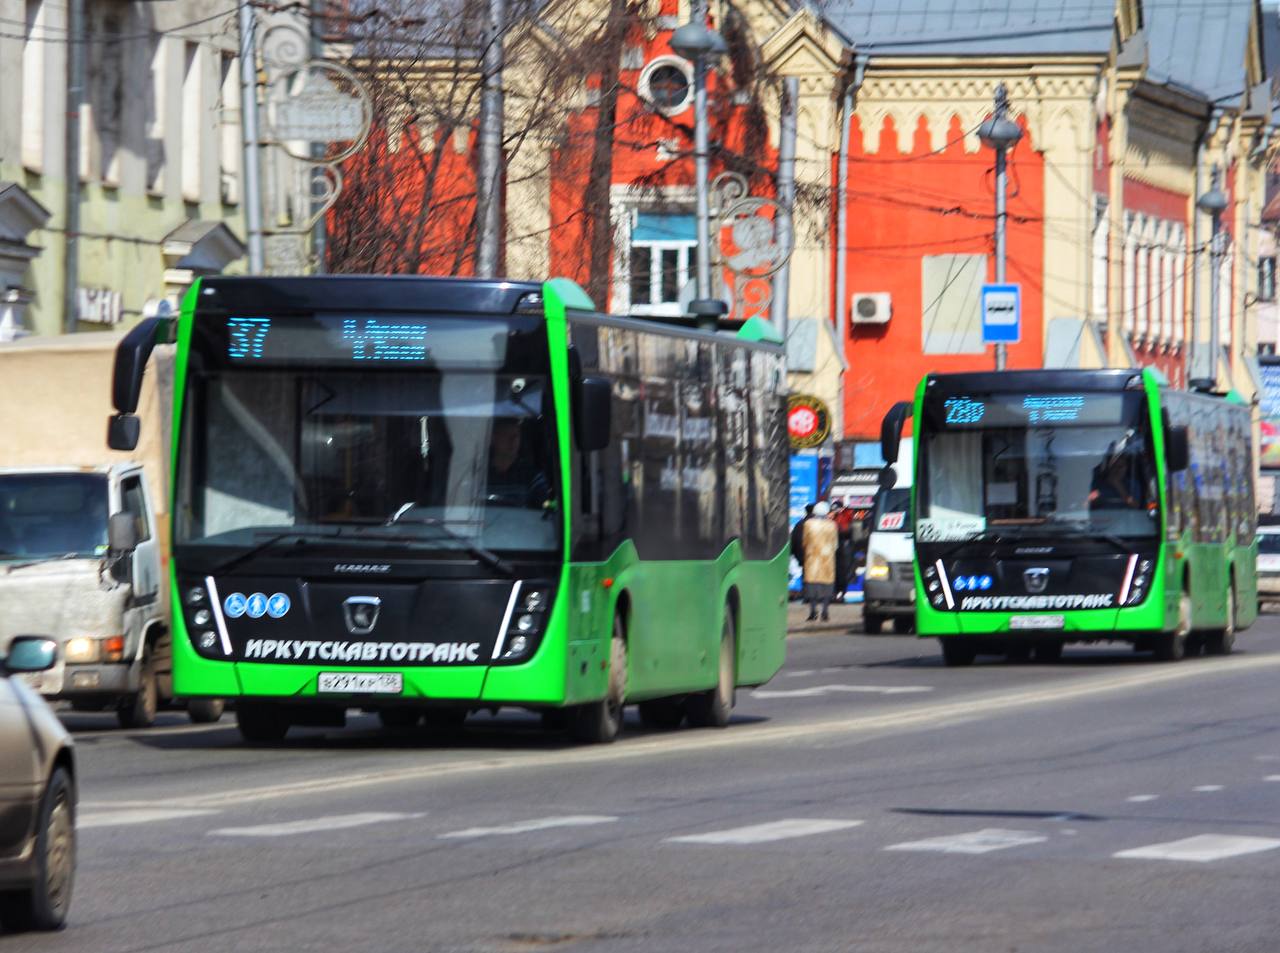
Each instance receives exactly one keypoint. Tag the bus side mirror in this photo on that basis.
(595, 414)
(1177, 449)
(891, 430)
(123, 431)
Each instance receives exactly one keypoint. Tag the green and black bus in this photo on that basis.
(427, 497)
(1068, 506)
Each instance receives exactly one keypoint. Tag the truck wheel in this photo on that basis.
(600, 722)
(43, 906)
(205, 711)
(957, 652)
(1172, 646)
(140, 710)
(260, 723)
(1223, 641)
(904, 625)
(712, 709)
(872, 623)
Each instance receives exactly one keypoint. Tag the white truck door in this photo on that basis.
(146, 558)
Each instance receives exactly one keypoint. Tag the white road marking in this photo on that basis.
(1138, 798)
(975, 842)
(856, 689)
(135, 815)
(1203, 848)
(801, 673)
(537, 824)
(764, 833)
(922, 716)
(1207, 788)
(311, 825)
(1272, 777)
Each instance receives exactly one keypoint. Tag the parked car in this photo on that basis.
(37, 796)
(1268, 564)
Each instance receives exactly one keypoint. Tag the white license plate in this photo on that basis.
(360, 683)
(1036, 622)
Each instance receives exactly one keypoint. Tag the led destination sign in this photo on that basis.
(1031, 410)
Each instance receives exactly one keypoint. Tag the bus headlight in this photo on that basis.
(196, 596)
(527, 617)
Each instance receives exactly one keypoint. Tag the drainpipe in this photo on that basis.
(842, 205)
(1194, 344)
(786, 200)
(76, 51)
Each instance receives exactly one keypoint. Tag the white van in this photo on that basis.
(889, 584)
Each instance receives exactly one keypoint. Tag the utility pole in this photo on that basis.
(1213, 202)
(76, 51)
(252, 197)
(786, 200)
(1001, 134)
(488, 204)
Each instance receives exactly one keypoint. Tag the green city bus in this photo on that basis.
(426, 497)
(1078, 506)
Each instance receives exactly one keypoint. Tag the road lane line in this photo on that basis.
(1272, 777)
(135, 815)
(1207, 788)
(767, 832)
(975, 842)
(853, 689)
(312, 825)
(1139, 798)
(1201, 849)
(931, 716)
(537, 824)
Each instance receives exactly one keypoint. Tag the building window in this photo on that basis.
(229, 138)
(667, 85)
(1267, 278)
(951, 288)
(34, 44)
(663, 259)
(156, 107)
(192, 146)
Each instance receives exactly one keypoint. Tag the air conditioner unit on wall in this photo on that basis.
(871, 307)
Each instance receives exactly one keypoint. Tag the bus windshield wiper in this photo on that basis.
(485, 555)
(300, 536)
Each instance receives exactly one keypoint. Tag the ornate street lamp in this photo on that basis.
(1213, 203)
(1001, 134)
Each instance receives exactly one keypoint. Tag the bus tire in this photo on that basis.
(1050, 651)
(711, 709)
(661, 714)
(957, 652)
(140, 710)
(261, 723)
(1221, 642)
(205, 711)
(1172, 646)
(872, 624)
(600, 722)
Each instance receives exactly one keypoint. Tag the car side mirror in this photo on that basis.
(888, 477)
(1177, 448)
(595, 414)
(31, 653)
(123, 431)
(122, 534)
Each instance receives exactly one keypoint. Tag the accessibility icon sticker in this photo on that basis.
(234, 605)
(278, 605)
(256, 607)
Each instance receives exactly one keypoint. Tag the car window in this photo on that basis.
(136, 506)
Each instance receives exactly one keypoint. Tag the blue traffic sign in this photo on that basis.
(1001, 314)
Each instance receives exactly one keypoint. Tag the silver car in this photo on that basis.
(37, 796)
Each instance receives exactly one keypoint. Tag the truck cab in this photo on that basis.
(80, 562)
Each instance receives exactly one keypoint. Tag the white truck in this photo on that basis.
(890, 582)
(83, 531)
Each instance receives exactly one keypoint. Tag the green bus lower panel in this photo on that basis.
(1077, 623)
(461, 683)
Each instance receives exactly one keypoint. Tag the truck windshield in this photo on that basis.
(893, 511)
(449, 442)
(52, 515)
(1021, 465)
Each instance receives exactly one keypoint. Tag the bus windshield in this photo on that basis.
(1023, 465)
(443, 441)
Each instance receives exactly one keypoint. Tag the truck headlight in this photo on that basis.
(877, 568)
(82, 650)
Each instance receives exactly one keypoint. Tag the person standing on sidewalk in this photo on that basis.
(821, 538)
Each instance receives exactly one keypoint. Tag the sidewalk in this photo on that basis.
(845, 618)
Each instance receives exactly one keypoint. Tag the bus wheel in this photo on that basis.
(261, 724)
(957, 652)
(1050, 651)
(1224, 640)
(872, 623)
(601, 722)
(205, 711)
(661, 714)
(1172, 646)
(712, 709)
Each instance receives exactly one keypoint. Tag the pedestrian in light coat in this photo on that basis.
(821, 538)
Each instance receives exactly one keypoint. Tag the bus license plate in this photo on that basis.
(1036, 622)
(360, 683)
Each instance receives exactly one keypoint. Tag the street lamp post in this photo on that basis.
(1214, 203)
(696, 42)
(1001, 134)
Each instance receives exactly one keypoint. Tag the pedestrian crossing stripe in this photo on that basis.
(537, 824)
(976, 842)
(312, 825)
(1202, 848)
(770, 831)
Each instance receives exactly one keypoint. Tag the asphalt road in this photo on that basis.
(867, 799)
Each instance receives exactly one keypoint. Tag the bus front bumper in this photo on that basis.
(1080, 625)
